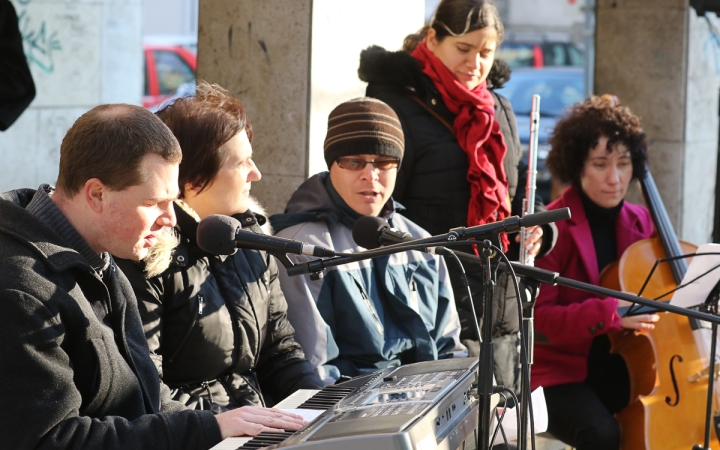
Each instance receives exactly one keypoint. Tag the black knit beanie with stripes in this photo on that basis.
(363, 126)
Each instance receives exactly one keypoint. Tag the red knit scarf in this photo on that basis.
(478, 133)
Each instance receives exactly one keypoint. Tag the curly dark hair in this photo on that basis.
(580, 130)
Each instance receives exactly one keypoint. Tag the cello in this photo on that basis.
(667, 396)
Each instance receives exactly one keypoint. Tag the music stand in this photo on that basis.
(702, 281)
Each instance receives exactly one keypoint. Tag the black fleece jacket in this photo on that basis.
(74, 364)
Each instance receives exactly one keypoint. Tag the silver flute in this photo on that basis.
(528, 206)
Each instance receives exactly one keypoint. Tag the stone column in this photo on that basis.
(663, 62)
(291, 63)
(81, 54)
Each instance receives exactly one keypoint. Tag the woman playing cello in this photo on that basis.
(598, 147)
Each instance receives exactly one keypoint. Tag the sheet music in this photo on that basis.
(695, 293)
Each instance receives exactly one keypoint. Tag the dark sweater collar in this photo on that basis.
(42, 207)
(596, 213)
(347, 215)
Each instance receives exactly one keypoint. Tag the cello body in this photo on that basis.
(667, 403)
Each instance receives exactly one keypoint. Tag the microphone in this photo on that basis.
(372, 232)
(510, 224)
(218, 234)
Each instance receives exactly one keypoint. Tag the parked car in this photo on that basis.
(169, 72)
(540, 54)
(558, 88)
(525, 48)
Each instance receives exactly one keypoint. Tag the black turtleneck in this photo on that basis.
(607, 373)
(602, 227)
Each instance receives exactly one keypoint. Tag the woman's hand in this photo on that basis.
(251, 421)
(533, 241)
(640, 322)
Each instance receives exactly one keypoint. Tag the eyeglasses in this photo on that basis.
(355, 164)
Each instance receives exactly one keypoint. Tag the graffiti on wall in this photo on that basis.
(40, 42)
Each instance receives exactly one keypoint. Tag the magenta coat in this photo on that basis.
(571, 318)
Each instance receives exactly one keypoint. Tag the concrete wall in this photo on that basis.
(544, 14)
(290, 63)
(663, 62)
(336, 46)
(170, 17)
(81, 54)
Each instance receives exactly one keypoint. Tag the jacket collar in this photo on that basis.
(626, 232)
(401, 70)
(579, 229)
(22, 225)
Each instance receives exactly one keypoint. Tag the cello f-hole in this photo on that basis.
(674, 382)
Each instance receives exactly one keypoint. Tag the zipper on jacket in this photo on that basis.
(256, 389)
(414, 295)
(198, 311)
(205, 385)
(238, 344)
(371, 308)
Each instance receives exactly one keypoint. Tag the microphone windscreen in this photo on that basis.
(366, 231)
(216, 234)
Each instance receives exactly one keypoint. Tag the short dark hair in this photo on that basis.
(580, 130)
(459, 17)
(202, 124)
(109, 142)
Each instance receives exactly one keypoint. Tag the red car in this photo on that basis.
(167, 67)
(540, 54)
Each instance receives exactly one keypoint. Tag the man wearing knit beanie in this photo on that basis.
(363, 126)
(375, 313)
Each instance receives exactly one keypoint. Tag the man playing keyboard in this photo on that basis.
(75, 364)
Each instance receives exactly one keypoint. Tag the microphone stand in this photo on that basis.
(534, 276)
(711, 306)
(485, 368)
(456, 236)
(528, 323)
(315, 268)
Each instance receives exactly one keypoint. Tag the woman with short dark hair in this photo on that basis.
(598, 147)
(217, 326)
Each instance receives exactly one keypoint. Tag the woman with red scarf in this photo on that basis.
(462, 148)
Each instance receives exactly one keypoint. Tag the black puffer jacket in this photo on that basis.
(217, 326)
(432, 181)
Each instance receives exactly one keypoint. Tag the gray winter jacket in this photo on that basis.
(370, 314)
(74, 363)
